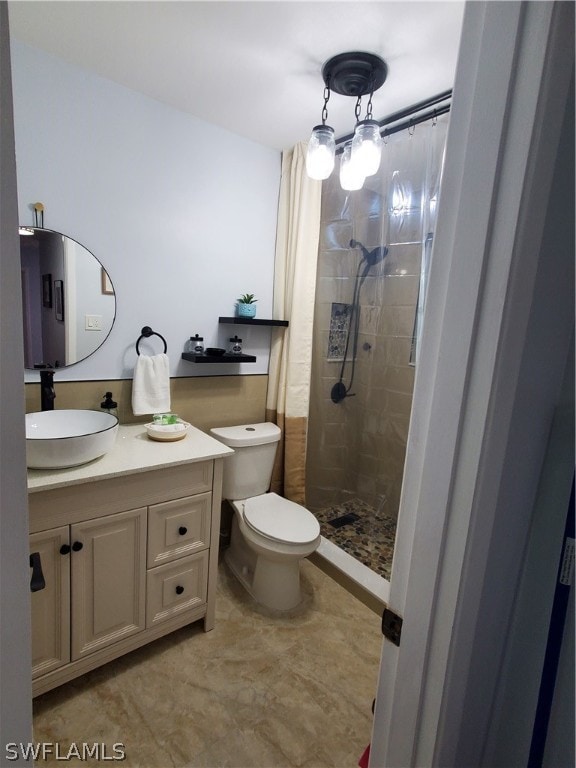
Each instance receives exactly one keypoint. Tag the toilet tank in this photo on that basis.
(248, 471)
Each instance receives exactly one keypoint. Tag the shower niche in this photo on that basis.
(340, 315)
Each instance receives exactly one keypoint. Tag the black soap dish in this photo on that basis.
(216, 351)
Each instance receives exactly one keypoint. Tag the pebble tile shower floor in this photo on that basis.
(366, 533)
(258, 691)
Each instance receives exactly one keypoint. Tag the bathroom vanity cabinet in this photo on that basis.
(128, 547)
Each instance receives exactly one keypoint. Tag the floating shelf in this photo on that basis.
(229, 357)
(252, 321)
(226, 358)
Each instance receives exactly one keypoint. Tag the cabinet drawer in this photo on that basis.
(75, 503)
(178, 528)
(176, 587)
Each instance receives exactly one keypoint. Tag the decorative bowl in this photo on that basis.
(215, 351)
(167, 433)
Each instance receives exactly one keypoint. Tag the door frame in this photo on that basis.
(15, 633)
(497, 333)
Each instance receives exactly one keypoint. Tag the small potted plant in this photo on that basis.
(246, 305)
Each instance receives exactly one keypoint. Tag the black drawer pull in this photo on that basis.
(77, 546)
(179, 590)
(182, 530)
(65, 549)
(37, 581)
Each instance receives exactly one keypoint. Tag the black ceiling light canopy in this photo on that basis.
(355, 74)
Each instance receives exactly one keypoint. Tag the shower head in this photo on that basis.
(372, 257)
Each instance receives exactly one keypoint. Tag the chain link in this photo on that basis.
(325, 107)
(369, 107)
(358, 108)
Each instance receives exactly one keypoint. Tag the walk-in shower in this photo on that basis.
(373, 260)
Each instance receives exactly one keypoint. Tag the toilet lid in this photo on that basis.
(280, 519)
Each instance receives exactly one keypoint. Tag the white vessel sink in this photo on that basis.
(67, 438)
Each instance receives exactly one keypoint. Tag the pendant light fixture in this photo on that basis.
(354, 74)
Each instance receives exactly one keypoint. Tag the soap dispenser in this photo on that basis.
(109, 405)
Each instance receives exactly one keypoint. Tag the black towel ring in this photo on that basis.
(145, 333)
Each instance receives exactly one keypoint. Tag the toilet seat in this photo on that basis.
(280, 520)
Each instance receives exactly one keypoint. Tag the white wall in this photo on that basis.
(181, 213)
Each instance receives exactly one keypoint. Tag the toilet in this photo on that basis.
(270, 534)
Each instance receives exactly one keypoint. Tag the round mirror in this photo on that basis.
(68, 299)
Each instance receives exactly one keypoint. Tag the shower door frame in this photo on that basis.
(447, 564)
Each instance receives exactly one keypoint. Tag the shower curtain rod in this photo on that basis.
(409, 112)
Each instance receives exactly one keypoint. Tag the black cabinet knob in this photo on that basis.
(65, 549)
(182, 530)
(77, 546)
(179, 590)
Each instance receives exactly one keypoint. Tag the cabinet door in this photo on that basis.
(109, 579)
(51, 605)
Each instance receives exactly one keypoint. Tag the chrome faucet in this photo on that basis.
(47, 393)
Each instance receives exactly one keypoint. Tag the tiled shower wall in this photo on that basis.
(356, 448)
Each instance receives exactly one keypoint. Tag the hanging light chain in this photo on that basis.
(325, 107)
(358, 109)
(369, 107)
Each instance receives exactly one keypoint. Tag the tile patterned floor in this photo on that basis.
(258, 691)
(369, 537)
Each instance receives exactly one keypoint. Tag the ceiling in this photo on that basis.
(253, 68)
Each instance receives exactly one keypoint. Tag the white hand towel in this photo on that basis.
(151, 385)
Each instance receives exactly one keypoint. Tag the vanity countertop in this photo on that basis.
(133, 452)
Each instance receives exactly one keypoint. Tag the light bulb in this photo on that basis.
(367, 146)
(351, 177)
(320, 154)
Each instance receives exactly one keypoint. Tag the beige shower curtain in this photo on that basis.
(294, 292)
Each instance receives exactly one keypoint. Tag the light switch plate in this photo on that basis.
(93, 322)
